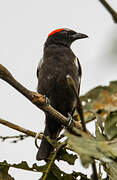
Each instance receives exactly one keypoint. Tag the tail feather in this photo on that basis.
(52, 128)
(44, 150)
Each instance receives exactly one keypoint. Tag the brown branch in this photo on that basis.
(19, 128)
(38, 100)
(17, 138)
(110, 10)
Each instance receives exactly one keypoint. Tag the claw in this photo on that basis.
(70, 120)
(47, 100)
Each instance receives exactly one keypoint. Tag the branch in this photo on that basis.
(19, 128)
(52, 159)
(38, 100)
(17, 138)
(110, 10)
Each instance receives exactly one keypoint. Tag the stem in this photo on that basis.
(52, 161)
(95, 175)
(110, 10)
(19, 137)
(18, 128)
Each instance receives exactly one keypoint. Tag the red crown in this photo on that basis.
(55, 31)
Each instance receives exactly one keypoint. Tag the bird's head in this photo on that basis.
(64, 36)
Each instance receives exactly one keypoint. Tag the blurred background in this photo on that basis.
(24, 26)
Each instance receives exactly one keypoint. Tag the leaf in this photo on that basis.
(99, 135)
(100, 98)
(111, 169)
(23, 165)
(4, 173)
(90, 147)
(65, 156)
(111, 125)
(57, 174)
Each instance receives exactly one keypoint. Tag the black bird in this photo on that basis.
(58, 61)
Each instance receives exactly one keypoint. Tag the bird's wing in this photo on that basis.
(77, 63)
(79, 104)
(39, 66)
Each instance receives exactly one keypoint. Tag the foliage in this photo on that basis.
(100, 106)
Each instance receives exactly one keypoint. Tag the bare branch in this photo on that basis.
(19, 128)
(110, 10)
(38, 100)
(17, 138)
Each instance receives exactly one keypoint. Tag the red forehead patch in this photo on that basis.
(55, 31)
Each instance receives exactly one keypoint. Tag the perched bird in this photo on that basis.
(57, 63)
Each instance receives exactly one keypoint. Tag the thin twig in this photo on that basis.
(52, 159)
(94, 168)
(110, 10)
(17, 138)
(18, 128)
(38, 137)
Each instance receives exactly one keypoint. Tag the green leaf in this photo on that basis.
(99, 135)
(65, 156)
(111, 169)
(101, 97)
(111, 125)
(4, 173)
(23, 165)
(57, 174)
(89, 147)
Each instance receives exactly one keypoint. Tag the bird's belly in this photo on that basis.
(64, 101)
(61, 97)
(54, 85)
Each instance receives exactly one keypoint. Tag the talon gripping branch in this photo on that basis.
(58, 61)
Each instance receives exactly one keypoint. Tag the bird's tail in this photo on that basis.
(44, 150)
(52, 128)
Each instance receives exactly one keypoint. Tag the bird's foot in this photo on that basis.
(47, 100)
(70, 120)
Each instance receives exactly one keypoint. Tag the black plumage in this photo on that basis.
(58, 61)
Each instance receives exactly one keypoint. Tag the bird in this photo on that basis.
(58, 62)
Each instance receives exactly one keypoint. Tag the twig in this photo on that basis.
(37, 99)
(18, 128)
(110, 10)
(100, 172)
(52, 159)
(19, 137)
(94, 168)
(38, 137)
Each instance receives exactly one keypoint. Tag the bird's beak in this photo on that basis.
(78, 36)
